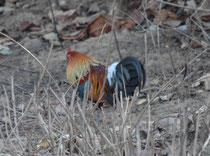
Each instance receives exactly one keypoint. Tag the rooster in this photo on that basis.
(85, 71)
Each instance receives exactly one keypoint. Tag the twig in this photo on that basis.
(7, 113)
(7, 83)
(117, 45)
(15, 114)
(64, 105)
(183, 130)
(42, 74)
(205, 144)
(173, 146)
(163, 88)
(24, 70)
(101, 92)
(102, 31)
(53, 21)
(11, 150)
(107, 63)
(127, 116)
(170, 55)
(196, 133)
(182, 33)
(33, 57)
(138, 140)
(183, 6)
(20, 119)
(149, 127)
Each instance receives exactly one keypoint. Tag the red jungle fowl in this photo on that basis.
(89, 72)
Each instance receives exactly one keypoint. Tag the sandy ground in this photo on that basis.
(160, 52)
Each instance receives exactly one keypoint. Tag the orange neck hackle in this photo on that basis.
(79, 65)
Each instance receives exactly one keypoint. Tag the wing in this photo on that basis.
(97, 78)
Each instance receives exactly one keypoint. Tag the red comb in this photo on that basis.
(68, 49)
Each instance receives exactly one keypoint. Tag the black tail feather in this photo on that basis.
(131, 72)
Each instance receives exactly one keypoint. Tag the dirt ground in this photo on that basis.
(161, 51)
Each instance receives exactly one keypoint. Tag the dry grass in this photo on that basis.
(43, 129)
(48, 125)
